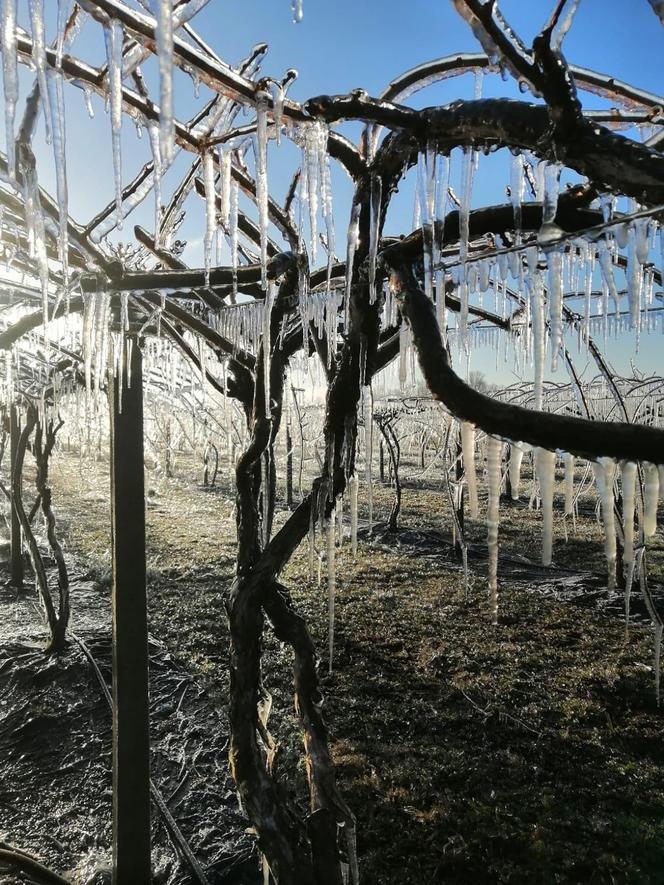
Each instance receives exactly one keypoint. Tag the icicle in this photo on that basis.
(651, 498)
(569, 483)
(207, 161)
(262, 194)
(516, 458)
(517, 184)
(278, 108)
(555, 264)
(468, 450)
(539, 341)
(267, 348)
(89, 315)
(604, 470)
(545, 463)
(331, 584)
(551, 193)
(87, 98)
(101, 322)
(354, 486)
(628, 495)
(351, 246)
(326, 193)
(494, 457)
(368, 455)
(36, 231)
(153, 135)
(426, 175)
(9, 77)
(63, 17)
(629, 470)
(309, 184)
(225, 186)
(57, 104)
(374, 231)
(297, 8)
(404, 333)
(234, 209)
(165, 56)
(606, 266)
(634, 277)
(467, 175)
(113, 40)
(39, 58)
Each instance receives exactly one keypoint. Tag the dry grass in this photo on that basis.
(528, 752)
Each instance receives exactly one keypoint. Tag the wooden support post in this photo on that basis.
(17, 568)
(131, 744)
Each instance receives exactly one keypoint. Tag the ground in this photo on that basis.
(527, 752)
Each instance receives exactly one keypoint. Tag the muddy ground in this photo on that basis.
(529, 752)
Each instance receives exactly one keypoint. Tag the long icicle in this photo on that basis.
(468, 450)
(628, 476)
(331, 583)
(368, 455)
(9, 77)
(262, 100)
(545, 463)
(353, 483)
(375, 200)
(651, 499)
(569, 462)
(516, 459)
(113, 41)
(165, 56)
(267, 347)
(57, 105)
(604, 471)
(207, 161)
(39, 58)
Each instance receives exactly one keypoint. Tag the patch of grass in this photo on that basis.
(530, 752)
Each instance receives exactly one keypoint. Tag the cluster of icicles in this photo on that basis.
(169, 18)
(638, 522)
(26, 369)
(550, 270)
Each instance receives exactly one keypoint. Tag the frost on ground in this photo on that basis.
(489, 752)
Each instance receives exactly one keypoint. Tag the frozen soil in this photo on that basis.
(528, 752)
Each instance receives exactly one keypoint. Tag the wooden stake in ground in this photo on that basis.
(131, 748)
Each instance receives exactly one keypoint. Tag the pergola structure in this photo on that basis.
(555, 261)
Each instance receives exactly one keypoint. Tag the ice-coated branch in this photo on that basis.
(589, 439)
(187, 278)
(499, 41)
(609, 160)
(219, 76)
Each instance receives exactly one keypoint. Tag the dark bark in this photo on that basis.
(56, 626)
(42, 449)
(589, 439)
(386, 427)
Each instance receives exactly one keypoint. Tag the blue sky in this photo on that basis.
(337, 47)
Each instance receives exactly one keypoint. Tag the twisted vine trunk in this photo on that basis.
(56, 621)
